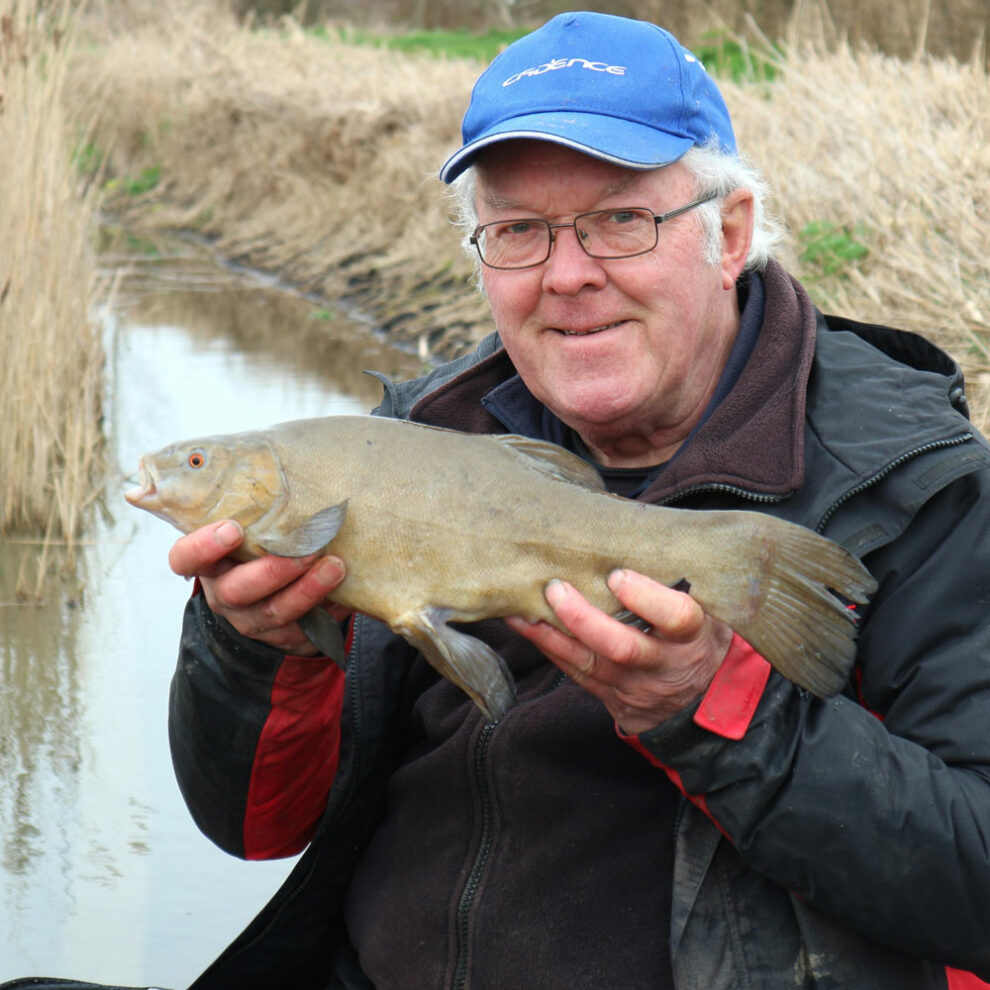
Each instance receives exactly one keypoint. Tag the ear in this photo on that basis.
(737, 234)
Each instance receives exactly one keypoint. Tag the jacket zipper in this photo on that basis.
(466, 902)
(462, 926)
(720, 488)
(884, 471)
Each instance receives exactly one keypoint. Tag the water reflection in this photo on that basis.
(39, 706)
(102, 873)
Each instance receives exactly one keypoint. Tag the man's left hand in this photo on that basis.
(643, 678)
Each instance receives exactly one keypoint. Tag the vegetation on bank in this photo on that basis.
(310, 155)
(954, 28)
(51, 357)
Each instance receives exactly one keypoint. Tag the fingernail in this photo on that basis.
(329, 571)
(229, 534)
(555, 592)
(520, 622)
(616, 579)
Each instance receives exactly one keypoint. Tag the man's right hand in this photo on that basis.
(263, 598)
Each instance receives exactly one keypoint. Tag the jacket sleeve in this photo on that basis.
(255, 737)
(876, 809)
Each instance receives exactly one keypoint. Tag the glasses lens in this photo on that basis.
(617, 233)
(514, 243)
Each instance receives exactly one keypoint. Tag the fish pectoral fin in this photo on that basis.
(323, 631)
(464, 660)
(310, 537)
(554, 461)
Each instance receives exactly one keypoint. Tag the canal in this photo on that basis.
(103, 875)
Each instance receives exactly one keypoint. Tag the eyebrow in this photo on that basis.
(496, 202)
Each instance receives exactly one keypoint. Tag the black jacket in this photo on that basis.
(839, 843)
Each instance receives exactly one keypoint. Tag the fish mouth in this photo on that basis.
(143, 487)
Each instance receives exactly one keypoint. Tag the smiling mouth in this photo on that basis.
(588, 333)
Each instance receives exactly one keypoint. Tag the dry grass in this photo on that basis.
(898, 153)
(312, 158)
(317, 160)
(50, 353)
(940, 27)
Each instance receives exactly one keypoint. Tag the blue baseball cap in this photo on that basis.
(622, 90)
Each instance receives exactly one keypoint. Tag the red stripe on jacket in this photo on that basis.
(958, 980)
(295, 759)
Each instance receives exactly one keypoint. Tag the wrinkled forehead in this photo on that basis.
(516, 174)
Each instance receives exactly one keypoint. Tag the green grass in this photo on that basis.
(88, 158)
(721, 55)
(441, 44)
(136, 185)
(727, 58)
(830, 249)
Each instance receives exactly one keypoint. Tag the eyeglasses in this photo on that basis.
(527, 241)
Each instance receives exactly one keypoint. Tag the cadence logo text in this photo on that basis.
(566, 63)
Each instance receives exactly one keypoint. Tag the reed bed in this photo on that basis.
(51, 356)
(895, 156)
(316, 159)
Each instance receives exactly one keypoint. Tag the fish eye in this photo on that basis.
(196, 459)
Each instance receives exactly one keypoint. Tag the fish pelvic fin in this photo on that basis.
(554, 461)
(323, 631)
(311, 537)
(804, 625)
(464, 660)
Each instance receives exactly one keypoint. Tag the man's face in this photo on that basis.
(625, 351)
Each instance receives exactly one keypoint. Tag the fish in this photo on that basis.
(438, 526)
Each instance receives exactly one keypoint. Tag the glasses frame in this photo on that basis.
(658, 218)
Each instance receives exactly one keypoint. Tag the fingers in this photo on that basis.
(261, 598)
(643, 678)
(673, 614)
(196, 553)
(284, 585)
(265, 598)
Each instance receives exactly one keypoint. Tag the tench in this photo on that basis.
(438, 526)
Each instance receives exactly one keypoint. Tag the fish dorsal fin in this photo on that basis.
(312, 536)
(554, 461)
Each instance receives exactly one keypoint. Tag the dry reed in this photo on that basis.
(897, 153)
(317, 159)
(50, 352)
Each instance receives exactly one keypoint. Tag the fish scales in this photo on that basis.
(439, 526)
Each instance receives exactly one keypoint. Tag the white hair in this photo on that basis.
(714, 171)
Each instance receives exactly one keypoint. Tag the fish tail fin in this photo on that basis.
(801, 621)
(464, 660)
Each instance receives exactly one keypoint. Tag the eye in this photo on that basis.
(196, 459)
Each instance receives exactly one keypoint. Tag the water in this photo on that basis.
(103, 875)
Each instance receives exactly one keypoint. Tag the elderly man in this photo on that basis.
(660, 809)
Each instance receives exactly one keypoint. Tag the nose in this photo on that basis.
(570, 268)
